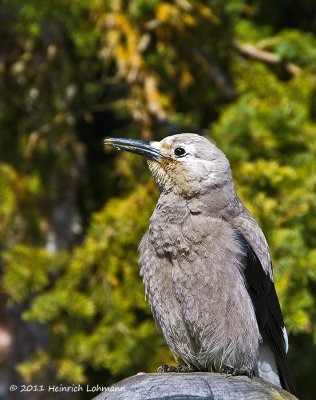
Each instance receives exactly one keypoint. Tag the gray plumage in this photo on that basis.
(206, 265)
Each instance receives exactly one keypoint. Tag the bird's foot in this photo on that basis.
(250, 373)
(172, 368)
(231, 371)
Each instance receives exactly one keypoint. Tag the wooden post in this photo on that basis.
(195, 386)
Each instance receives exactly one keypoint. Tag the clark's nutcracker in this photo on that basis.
(206, 265)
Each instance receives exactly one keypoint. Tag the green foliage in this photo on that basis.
(71, 216)
(29, 271)
(7, 200)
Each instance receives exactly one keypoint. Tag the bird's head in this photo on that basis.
(186, 163)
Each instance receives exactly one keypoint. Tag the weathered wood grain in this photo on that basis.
(195, 386)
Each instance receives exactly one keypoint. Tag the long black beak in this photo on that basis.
(135, 146)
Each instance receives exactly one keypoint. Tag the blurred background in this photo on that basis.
(241, 72)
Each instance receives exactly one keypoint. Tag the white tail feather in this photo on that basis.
(266, 367)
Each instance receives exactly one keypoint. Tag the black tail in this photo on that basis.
(268, 312)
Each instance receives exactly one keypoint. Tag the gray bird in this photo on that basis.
(206, 265)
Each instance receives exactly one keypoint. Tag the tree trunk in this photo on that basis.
(197, 386)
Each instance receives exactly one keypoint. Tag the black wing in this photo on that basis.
(268, 312)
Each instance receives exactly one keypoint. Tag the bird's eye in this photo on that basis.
(179, 152)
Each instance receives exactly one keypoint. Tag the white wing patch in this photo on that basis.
(286, 339)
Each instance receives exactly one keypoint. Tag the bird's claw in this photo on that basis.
(172, 368)
(250, 374)
(231, 371)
